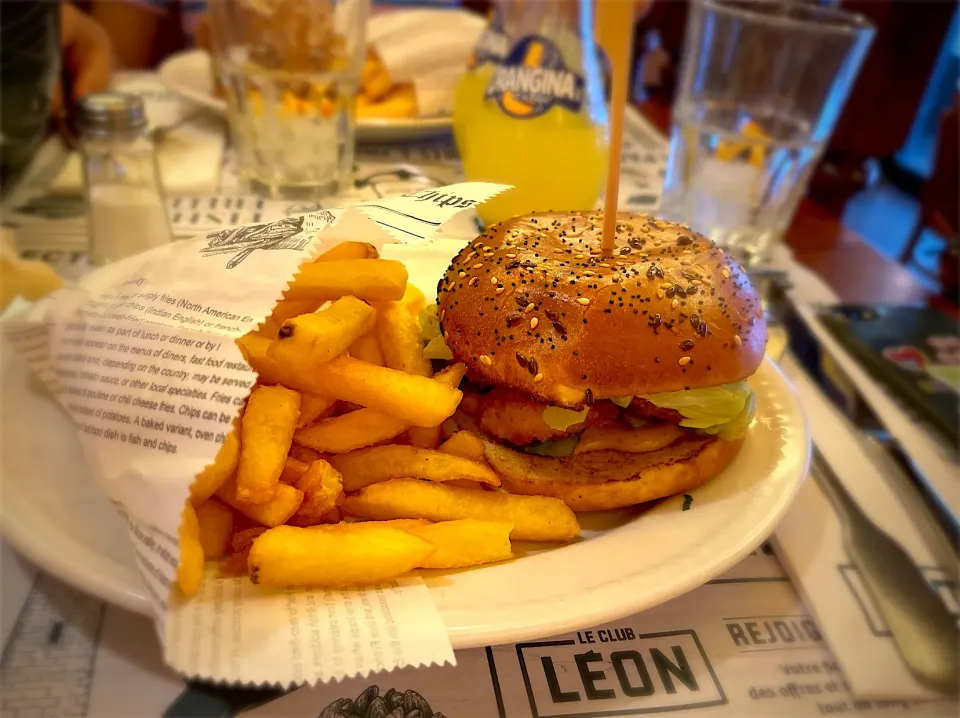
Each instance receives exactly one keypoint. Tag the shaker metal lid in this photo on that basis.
(104, 113)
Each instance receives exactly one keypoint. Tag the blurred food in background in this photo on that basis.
(414, 58)
(27, 278)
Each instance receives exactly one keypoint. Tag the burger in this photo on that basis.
(605, 379)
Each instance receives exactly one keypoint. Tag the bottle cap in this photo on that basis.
(106, 113)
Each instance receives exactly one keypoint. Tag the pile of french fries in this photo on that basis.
(382, 98)
(336, 472)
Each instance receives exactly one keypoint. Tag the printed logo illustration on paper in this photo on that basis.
(533, 78)
(370, 704)
(285, 233)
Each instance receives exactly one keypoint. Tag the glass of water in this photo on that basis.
(763, 83)
(290, 71)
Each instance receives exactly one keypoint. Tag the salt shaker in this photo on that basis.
(125, 201)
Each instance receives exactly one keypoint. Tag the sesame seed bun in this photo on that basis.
(532, 305)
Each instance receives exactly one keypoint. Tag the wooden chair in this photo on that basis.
(939, 201)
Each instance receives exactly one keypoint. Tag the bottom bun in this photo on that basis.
(599, 480)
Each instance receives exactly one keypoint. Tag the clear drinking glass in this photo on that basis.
(290, 71)
(762, 86)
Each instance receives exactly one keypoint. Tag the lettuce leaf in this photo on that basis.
(737, 427)
(429, 323)
(710, 409)
(557, 448)
(435, 347)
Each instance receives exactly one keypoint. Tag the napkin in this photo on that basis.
(809, 539)
(428, 48)
(141, 355)
(188, 156)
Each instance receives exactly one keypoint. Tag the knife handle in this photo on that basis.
(941, 527)
(923, 629)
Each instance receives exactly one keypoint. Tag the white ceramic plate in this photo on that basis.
(188, 74)
(628, 561)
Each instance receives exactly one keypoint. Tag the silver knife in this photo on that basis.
(940, 526)
(924, 631)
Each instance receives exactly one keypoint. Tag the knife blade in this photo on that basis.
(942, 527)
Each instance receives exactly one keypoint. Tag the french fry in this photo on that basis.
(399, 102)
(322, 487)
(425, 438)
(284, 504)
(190, 565)
(366, 279)
(464, 484)
(405, 524)
(312, 339)
(449, 427)
(268, 328)
(466, 542)
(347, 432)
(535, 518)
(451, 375)
(413, 300)
(416, 400)
(243, 540)
(345, 407)
(254, 349)
(314, 407)
(367, 348)
(292, 471)
(287, 309)
(234, 565)
(304, 454)
(363, 467)
(266, 432)
(376, 82)
(214, 475)
(349, 250)
(398, 333)
(465, 445)
(333, 556)
(365, 427)
(215, 528)
(333, 516)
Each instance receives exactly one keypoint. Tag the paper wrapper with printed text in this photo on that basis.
(142, 355)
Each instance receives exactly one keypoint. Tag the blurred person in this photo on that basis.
(652, 68)
(51, 55)
(144, 32)
(86, 56)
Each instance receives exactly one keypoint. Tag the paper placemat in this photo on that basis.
(743, 645)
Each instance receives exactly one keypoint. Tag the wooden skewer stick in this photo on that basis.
(615, 34)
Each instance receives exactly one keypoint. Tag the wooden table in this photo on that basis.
(853, 269)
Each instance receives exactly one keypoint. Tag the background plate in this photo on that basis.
(188, 74)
